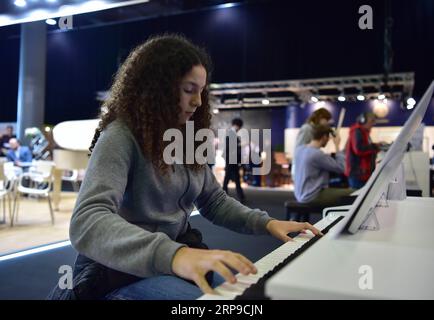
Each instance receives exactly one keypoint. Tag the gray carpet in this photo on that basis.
(32, 277)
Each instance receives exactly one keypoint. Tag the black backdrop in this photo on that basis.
(270, 40)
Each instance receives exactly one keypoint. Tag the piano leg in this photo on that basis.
(57, 187)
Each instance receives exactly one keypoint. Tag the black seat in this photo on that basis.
(300, 211)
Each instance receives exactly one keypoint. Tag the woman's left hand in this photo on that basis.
(280, 229)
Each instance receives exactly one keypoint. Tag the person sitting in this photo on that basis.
(313, 169)
(4, 139)
(321, 116)
(20, 155)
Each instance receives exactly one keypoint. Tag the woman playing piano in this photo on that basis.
(130, 223)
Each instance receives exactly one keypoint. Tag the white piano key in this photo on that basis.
(228, 291)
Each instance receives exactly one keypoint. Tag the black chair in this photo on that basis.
(297, 211)
(301, 212)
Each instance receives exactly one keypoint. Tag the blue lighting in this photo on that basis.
(35, 250)
(226, 5)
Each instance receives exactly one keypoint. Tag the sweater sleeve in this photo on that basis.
(98, 231)
(216, 206)
(326, 162)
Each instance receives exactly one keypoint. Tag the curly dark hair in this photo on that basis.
(145, 94)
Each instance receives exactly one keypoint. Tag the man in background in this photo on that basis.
(4, 140)
(232, 168)
(311, 183)
(361, 152)
(20, 155)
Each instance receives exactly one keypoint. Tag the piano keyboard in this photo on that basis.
(252, 286)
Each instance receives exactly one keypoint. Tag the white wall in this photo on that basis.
(386, 134)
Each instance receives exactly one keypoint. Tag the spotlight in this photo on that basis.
(215, 111)
(314, 99)
(20, 3)
(410, 106)
(411, 102)
(51, 22)
(360, 97)
(381, 96)
(265, 101)
(341, 98)
(47, 129)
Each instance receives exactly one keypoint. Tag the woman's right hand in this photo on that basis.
(194, 264)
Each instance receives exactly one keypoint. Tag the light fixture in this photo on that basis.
(411, 101)
(410, 106)
(47, 129)
(265, 101)
(51, 22)
(20, 3)
(341, 98)
(314, 99)
(215, 111)
(360, 97)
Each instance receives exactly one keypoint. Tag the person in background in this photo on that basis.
(4, 140)
(20, 155)
(321, 116)
(232, 170)
(361, 152)
(314, 167)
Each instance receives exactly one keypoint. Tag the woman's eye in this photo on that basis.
(188, 90)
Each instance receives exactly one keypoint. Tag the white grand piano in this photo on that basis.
(74, 137)
(399, 257)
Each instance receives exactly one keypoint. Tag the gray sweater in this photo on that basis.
(127, 216)
(312, 175)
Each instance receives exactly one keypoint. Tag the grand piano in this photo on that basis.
(74, 139)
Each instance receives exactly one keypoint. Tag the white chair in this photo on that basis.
(38, 183)
(6, 188)
(71, 176)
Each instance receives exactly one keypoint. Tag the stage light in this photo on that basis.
(411, 102)
(360, 97)
(314, 99)
(20, 3)
(51, 22)
(265, 101)
(410, 106)
(381, 96)
(341, 98)
(215, 111)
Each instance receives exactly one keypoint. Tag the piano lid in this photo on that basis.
(75, 135)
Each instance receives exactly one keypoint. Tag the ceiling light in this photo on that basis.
(51, 22)
(20, 3)
(360, 97)
(341, 98)
(411, 101)
(265, 101)
(314, 99)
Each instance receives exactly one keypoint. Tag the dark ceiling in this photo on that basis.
(153, 8)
